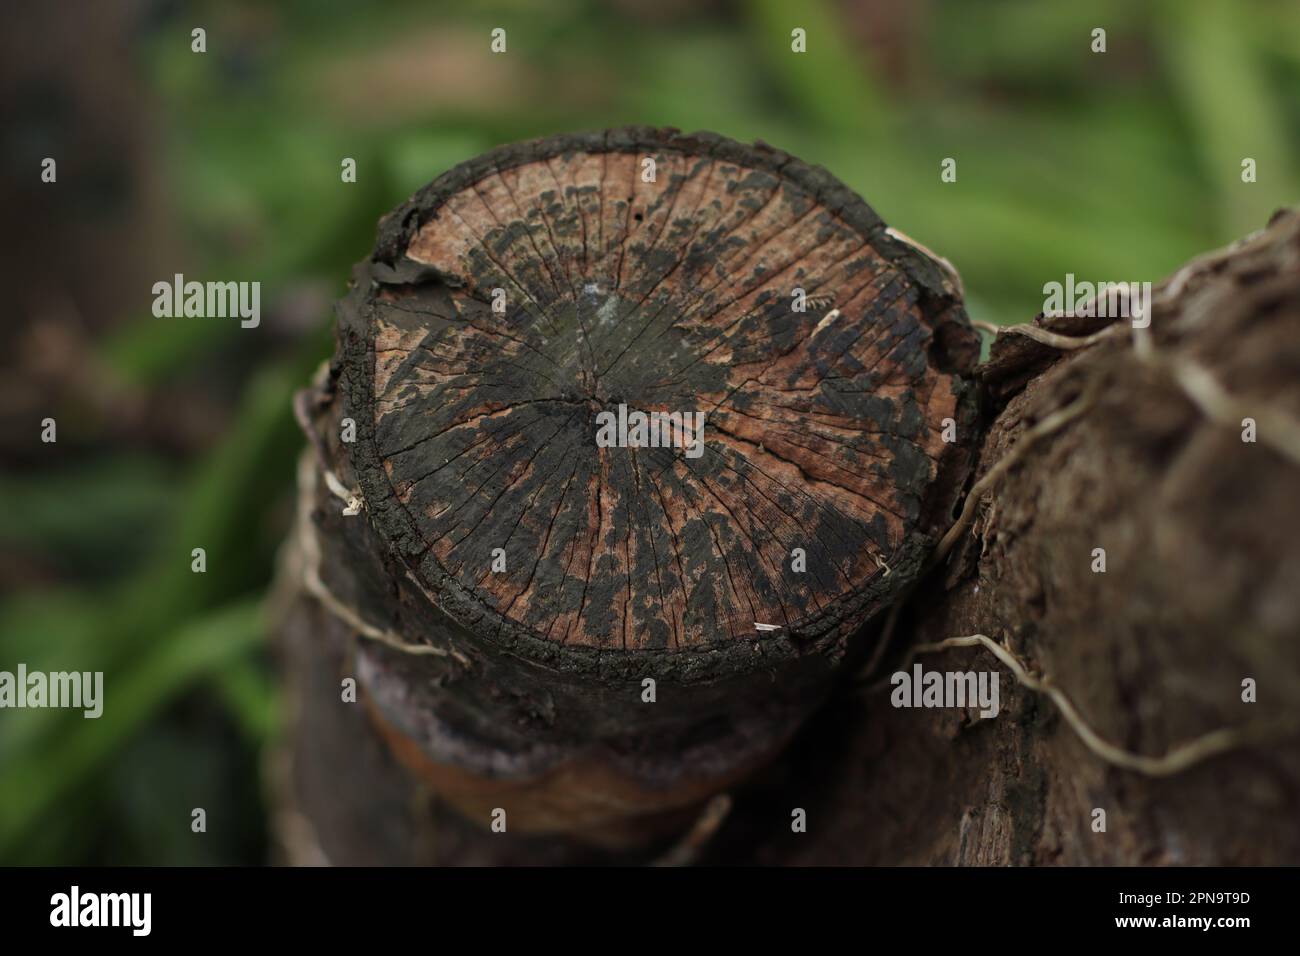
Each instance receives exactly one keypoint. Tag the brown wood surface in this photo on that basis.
(822, 430)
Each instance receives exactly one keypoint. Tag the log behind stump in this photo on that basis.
(475, 431)
(1201, 590)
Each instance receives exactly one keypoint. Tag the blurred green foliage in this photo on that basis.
(1117, 166)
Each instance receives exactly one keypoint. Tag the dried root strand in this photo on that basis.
(309, 551)
(1177, 760)
(1054, 339)
(1046, 426)
(1277, 429)
(687, 850)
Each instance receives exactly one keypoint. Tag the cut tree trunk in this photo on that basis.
(587, 636)
(475, 430)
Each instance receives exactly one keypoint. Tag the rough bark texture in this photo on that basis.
(505, 307)
(1201, 590)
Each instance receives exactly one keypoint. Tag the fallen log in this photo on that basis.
(1150, 711)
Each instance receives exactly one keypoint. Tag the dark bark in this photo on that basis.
(1201, 532)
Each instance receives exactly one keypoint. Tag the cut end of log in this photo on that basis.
(741, 311)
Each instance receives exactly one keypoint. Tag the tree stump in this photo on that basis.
(592, 635)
